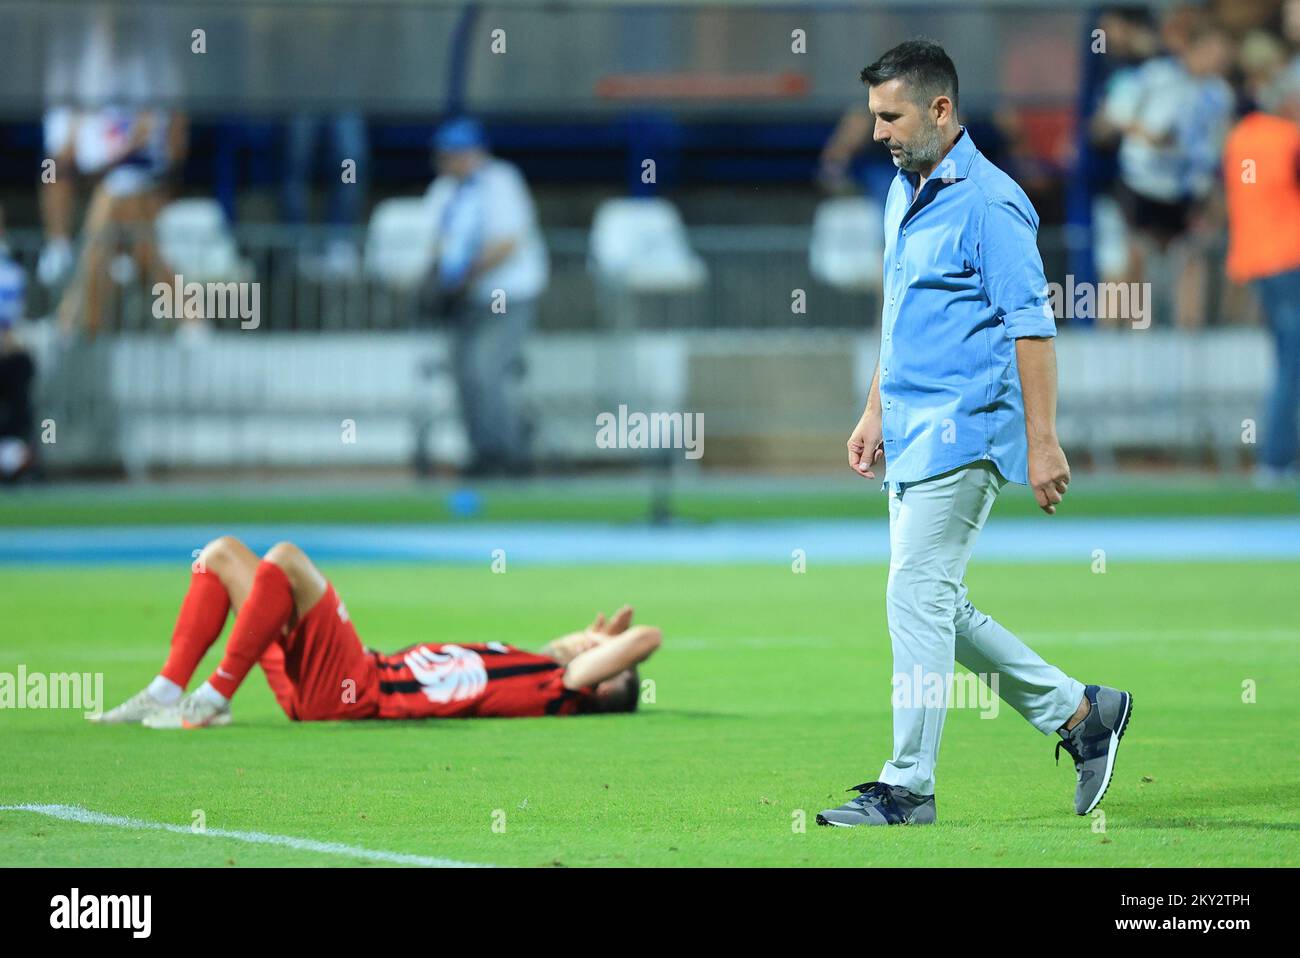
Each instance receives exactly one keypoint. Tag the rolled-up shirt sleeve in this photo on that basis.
(1012, 270)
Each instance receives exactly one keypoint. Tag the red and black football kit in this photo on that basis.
(321, 671)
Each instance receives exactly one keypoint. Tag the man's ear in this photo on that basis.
(941, 108)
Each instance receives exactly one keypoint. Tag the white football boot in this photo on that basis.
(135, 709)
(192, 711)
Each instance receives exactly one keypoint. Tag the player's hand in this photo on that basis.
(867, 446)
(615, 626)
(1049, 475)
(619, 623)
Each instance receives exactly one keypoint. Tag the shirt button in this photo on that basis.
(898, 266)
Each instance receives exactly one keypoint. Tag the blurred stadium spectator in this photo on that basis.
(347, 144)
(1291, 33)
(131, 150)
(1172, 114)
(1131, 40)
(58, 195)
(17, 371)
(1262, 179)
(737, 160)
(491, 267)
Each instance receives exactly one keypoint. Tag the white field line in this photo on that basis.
(75, 813)
(689, 644)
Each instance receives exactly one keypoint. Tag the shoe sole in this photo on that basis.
(214, 722)
(219, 721)
(1115, 737)
(824, 821)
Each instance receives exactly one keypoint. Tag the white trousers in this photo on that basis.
(933, 526)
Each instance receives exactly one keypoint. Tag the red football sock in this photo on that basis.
(272, 663)
(266, 611)
(202, 616)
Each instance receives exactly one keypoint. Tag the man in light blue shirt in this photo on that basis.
(963, 401)
(962, 262)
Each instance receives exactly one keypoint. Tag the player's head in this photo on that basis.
(461, 146)
(617, 694)
(913, 96)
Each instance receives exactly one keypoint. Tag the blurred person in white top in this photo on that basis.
(491, 268)
(1173, 114)
(17, 371)
(128, 148)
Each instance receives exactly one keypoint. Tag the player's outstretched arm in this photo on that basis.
(611, 657)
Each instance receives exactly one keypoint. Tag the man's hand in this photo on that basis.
(867, 445)
(615, 626)
(567, 647)
(1049, 474)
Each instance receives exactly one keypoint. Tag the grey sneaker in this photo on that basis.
(1093, 743)
(881, 804)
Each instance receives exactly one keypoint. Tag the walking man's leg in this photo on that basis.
(1090, 719)
(1046, 697)
(933, 526)
(933, 625)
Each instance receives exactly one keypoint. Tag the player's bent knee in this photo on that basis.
(219, 551)
(286, 555)
(307, 583)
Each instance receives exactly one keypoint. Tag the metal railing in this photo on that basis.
(752, 275)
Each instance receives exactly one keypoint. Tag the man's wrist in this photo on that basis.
(1043, 439)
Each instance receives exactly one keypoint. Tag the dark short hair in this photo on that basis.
(619, 694)
(922, 64)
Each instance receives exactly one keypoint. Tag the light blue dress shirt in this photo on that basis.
(962, 281)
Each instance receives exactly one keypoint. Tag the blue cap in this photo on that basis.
(460, 134)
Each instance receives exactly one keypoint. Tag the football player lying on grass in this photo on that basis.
(289, 619)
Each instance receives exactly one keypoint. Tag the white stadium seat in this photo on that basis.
(640, 245)
(400, 242)
(846, 248)
(195, 240)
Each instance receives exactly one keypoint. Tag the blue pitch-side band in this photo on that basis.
(832, 542)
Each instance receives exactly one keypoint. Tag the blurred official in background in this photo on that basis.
(491, 267)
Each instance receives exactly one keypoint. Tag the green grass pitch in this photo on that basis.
(771, 697)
